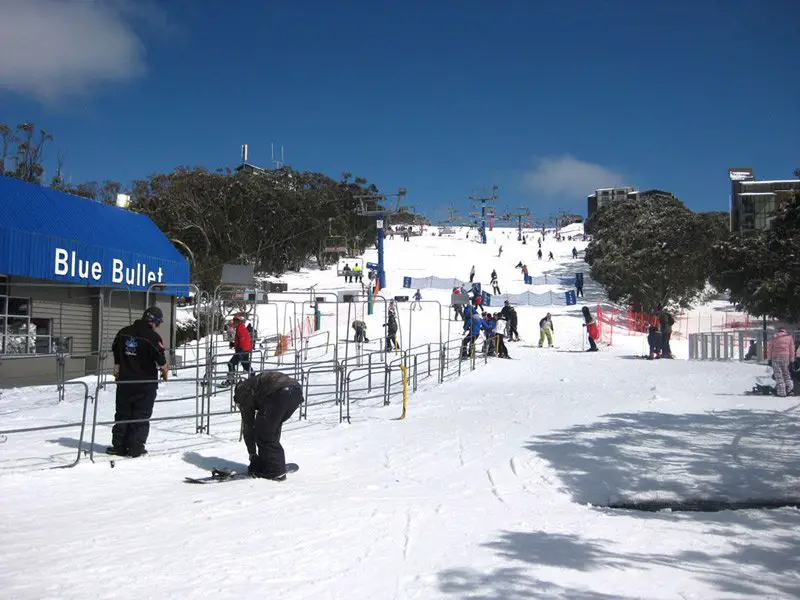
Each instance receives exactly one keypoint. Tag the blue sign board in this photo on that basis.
(570, 297)
(406, 282)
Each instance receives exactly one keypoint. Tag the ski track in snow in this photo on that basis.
(485, 490)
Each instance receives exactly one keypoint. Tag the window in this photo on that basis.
(21, 334)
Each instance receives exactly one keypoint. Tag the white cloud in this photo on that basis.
(566, 176)
(53, 48)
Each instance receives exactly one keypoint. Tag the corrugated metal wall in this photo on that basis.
(75, 313)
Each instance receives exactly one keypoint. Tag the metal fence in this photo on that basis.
(338, 382)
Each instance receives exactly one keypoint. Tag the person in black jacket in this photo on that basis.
(138, 358)
(391, 332)
(266, 402)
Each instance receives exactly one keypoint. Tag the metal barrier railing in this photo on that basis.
(725, 345)
(326, 381)
(81, 423)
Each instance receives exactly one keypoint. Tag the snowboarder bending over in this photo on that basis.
(266, 402)
(360, 327)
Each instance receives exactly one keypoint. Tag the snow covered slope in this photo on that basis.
(488, 489)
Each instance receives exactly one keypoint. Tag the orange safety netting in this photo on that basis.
(628, 321)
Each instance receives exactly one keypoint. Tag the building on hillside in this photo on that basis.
(605, 196)
(565, 220)
(753, 203)
(72, 273)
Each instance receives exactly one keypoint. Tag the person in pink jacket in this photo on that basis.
(781, 352)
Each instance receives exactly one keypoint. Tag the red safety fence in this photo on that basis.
(630, 322)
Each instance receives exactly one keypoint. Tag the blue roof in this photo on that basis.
(50, 235)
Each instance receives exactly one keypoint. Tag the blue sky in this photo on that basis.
(547, 100)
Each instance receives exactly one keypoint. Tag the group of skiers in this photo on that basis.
(659, 334)
(496, 327)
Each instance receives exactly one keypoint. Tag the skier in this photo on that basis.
(361, 331)
(489, 326)
(472, 330)
(242, 345)
(579, 285)
(456, 306)
(667, 321)
(780, 353)
(574, 252)
(416, 303)
(138, 357)
(391, 332)
(495, 285)
(472, 273)
(591, 328)
(501, 331)
(546, 330)
(500, 252)
(654, 341)
(539, 253)
(266, 402)
(550, 255)
(510, 315)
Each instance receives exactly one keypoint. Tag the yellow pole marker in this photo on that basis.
(405, 391)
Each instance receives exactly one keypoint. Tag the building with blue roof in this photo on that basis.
(73, 271)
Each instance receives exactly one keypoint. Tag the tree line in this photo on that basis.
(276, 219)
(654, 252)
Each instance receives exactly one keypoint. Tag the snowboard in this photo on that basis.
(222, 475)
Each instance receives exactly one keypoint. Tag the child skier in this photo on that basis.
(591, 328)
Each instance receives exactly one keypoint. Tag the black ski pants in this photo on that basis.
(134, 402)
(239, 357)
(276, 410)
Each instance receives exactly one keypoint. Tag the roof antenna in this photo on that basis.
(278, 163)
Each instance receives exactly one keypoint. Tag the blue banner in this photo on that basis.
(406, 282)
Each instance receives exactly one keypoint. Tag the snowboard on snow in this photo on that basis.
(221, 475)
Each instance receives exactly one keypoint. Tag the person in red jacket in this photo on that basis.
(242, 345)
(592, 330)
(780, 352)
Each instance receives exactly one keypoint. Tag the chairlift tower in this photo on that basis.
(371, 205)
(483, 198)
(521, 213)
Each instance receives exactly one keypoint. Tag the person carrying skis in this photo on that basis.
(546, 330)
(591, 328)
(138, 357)
(361, 331)
(266, 402)
(242, 345)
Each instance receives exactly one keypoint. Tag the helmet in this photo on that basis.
(153, 315)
